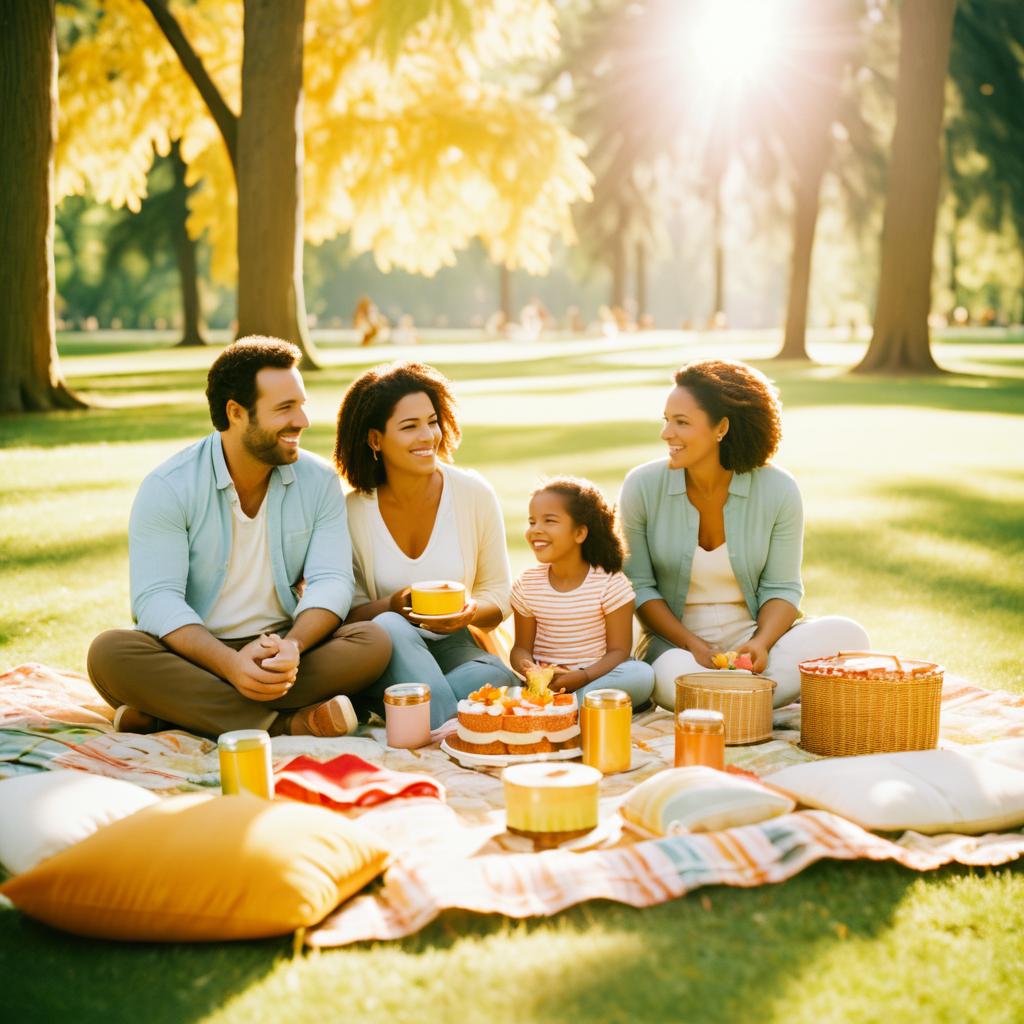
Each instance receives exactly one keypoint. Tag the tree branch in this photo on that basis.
(225, 119)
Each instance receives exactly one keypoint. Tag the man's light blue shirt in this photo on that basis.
(764, 529)
(179, 538)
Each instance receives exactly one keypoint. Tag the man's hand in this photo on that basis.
(450, 623)
(251, 680)
(284, 655)
(758, 651)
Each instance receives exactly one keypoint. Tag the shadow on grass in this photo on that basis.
(62, 552)
(942, 514)
(50, 976)
(718, 955)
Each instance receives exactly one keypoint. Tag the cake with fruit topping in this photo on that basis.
(516, 721)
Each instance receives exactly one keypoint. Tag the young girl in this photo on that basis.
(575, 610)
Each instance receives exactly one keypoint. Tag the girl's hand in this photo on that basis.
(758, 651)
(701, 652)
(568, 679)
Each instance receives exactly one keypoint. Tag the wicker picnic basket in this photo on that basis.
(863, 702)
(745, 701)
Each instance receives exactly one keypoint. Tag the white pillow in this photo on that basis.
(1009, 753)
(46, 812)
(928, 791)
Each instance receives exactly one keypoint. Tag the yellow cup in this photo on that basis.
(245, 763)
(438, 597)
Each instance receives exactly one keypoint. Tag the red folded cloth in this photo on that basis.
(349, 781)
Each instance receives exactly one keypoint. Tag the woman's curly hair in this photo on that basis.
(587, 507)
(368, 405)
(750, 401)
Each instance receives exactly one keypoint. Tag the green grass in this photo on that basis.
(913, 490)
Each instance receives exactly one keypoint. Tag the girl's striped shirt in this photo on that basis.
(570, 627)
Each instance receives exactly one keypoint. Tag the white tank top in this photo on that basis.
(712, 580)
(441, 559)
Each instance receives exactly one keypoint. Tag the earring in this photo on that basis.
(376, 454)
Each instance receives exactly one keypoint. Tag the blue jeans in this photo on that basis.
(453, 667)
(635, 677)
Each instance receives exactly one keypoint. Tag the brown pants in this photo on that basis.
(130, 667)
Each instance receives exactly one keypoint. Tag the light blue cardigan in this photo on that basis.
(764, 530)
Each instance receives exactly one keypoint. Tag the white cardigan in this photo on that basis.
(481, 530)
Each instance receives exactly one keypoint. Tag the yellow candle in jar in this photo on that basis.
(605, 720)
(551, 799)
(245, 763)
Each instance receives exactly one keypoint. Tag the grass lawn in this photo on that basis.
(914, 490)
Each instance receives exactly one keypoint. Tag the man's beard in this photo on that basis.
(263, 445)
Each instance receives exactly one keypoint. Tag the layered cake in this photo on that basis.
(517, 721)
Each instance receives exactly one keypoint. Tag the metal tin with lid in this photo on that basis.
(605, 720)
(700, 738)
(407, 715)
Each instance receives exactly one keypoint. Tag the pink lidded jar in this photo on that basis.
(407, 715)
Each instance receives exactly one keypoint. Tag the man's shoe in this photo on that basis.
(129, 719)
(329, 719)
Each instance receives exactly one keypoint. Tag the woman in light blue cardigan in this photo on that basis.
(714, 538)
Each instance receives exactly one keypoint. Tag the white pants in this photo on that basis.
(726, 627)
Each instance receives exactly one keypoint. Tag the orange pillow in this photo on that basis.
(202, 867)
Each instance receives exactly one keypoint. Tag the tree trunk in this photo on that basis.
(641, 281)
(270, 295)
(900, 340)
(806, 198)
(618, 267)
(30, 378)
(185, 250)
(718, 305)
(505, 291)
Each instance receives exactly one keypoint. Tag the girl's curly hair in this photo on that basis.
(750, 401)
(587, 507)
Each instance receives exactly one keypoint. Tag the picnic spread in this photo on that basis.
(461, 837)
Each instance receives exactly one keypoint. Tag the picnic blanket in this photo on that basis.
(457, 854)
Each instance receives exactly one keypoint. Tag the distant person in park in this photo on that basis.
(241, 574)
(414, 517)
(714, 538)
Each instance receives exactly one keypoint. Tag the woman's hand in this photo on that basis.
(450, 623)
(400, 602)
(758, 651)
(701, 651)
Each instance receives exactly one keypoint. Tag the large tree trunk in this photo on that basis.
(505, 291)
(270, 295)
(30, 378)
(900, 340)
(640, 270)
(806, 195)
(185, 250)
(618, 264)
(718, 251)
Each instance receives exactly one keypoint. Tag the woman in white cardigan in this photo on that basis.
(414, 517)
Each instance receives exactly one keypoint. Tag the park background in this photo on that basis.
(834, 182)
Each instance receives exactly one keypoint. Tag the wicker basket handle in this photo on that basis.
(868, 654)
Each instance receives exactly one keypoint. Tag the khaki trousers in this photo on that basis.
(130, 667)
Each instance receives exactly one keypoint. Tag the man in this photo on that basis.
(241, 574)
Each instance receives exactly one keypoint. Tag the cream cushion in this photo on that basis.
(46, 812)
(929, 791)
(700, 799)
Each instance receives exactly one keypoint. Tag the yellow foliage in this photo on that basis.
(413, 156)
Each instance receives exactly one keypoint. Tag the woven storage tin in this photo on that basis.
(745, 701)
(862, 702)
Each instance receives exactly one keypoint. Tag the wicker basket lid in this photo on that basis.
(868, 665)
(727, 679)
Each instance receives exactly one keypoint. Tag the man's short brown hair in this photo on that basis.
(233, 373)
